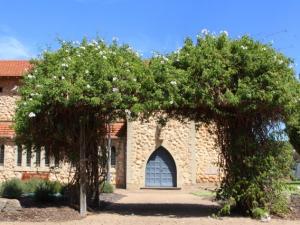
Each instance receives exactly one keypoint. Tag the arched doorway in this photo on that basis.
(161, 169)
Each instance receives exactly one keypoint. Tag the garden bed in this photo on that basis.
(37, 212)
(295, 205)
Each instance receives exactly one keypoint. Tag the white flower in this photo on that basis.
(30, 99)
(128, 112)
(115, 39)
(64, 65)
(54, 77)
(82, 47)
(30, 76)
(244, 47)
(162, 62)
(134, 79)
(38, 85)
(62, 77)
(24, 103)
(67, 50)
(204, 31)
(171, 102)
(264, 49)
(280, 62)
(165, 58)
(115, 89)
(127, 64)
(15, 88)
(88, 86)
(86, 71)
(78, 55)
(104, 57)
(31, 114)
(173, 82)
(224, 32)
(114, 78)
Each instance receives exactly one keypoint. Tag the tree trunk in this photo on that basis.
(83, 205)
(96, 176)
(109, 154)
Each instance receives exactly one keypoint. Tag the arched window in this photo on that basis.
(113, 156)
(19, 155)
(2, 155)
(38, 157)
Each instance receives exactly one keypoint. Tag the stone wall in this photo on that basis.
(207, 155)
(62, 173)
(118, 171)
(8, 99)
(193, 151)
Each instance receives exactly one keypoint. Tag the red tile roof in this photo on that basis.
(117, 129)
(6, 130)
(13, 68)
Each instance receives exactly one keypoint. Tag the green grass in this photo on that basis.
(204, 193)
(293, 187)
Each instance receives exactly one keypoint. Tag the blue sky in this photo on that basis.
(27, 27)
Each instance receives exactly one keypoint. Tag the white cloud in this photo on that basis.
(12, 48)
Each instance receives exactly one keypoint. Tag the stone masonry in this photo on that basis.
(193, 150)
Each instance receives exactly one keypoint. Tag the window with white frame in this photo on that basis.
(35, 157)
(113, 156)
(19, 155)
(38, 157)
(28, 157)
(47, 157)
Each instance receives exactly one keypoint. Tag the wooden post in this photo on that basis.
(83, 205)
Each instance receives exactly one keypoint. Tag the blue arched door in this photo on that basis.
(161, 169)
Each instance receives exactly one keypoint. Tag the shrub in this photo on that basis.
(106, 187)
(31, 185)
(12, 188)
(260, 184)
(259, 213)
(45, 190)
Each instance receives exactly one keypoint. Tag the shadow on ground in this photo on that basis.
(166, 209)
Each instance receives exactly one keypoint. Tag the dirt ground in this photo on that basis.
(147, 207)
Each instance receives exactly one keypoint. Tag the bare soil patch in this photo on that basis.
(37, 212)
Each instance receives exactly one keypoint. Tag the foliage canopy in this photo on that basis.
(246, 89)
(240, 86)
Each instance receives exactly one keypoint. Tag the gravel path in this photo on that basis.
(147, 207)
